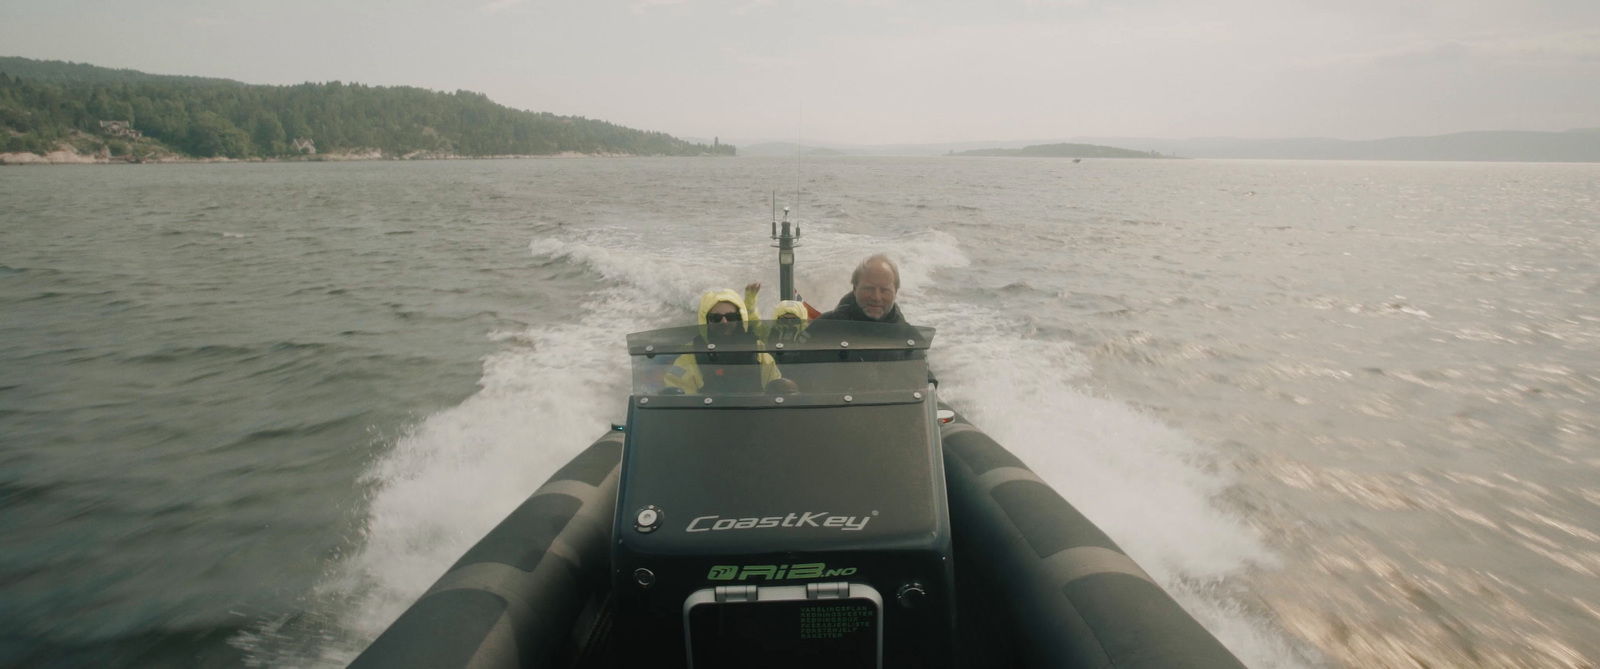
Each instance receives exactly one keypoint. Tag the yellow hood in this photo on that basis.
(710, 299)
(791, 307)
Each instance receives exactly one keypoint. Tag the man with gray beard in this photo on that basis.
(873, 287)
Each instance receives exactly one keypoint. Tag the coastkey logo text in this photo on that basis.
(819, 519)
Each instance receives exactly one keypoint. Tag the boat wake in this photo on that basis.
(1151, 488)
(552, 388)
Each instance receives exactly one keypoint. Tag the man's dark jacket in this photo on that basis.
(848, 310)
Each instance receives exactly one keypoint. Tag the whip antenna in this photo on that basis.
(799, 136)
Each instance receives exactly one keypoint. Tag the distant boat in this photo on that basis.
(1077, 160)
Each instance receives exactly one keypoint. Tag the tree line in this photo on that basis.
(42, 106)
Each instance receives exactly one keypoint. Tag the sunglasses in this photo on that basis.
(732, 317)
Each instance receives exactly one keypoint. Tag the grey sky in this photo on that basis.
(894, 71)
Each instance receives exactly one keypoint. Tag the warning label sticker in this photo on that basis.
(835, 622)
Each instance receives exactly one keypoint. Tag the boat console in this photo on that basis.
(789, 517)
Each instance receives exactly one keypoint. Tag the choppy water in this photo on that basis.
(1349, 413)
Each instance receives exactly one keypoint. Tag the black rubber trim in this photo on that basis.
(980, 452)
(593, 464)
(1046, 520)
(1140, 626)
(523, 537)
(455, 623)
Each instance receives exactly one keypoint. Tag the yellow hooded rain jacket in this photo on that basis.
(686, 372)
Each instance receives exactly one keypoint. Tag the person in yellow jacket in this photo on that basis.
(788, 318)
(791, 309)
(723, 318)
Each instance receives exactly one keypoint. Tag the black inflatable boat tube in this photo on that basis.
(1076, 597)
(513, 598)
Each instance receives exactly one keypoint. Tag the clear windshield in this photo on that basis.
(825, 361)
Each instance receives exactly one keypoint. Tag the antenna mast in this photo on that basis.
(786, 245)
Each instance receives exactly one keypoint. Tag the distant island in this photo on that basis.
(1062, 151)
(51, 111)
(1580, 145)
(788, 150)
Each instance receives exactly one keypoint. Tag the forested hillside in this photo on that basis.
(43, 104)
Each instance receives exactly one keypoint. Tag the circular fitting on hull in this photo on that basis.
(911, 595)
(644, 577)
(647, 520)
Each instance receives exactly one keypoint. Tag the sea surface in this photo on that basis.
(1347, 413)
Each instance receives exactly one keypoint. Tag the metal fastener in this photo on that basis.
(917, 395)
(779, 400)
(711, 347)
(911, 594)
(644, 400)
(844, 344)
(649, 348)
(911, 342)
(780, 344)
(708, 400)
(848, 398)
(644, 577)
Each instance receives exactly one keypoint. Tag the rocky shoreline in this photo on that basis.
(69, 156)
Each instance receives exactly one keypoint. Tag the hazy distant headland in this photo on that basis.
(1580, 146)
(1062, 151)
(51, 111)
(1572, 146)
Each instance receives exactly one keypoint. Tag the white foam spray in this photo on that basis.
(544, 397)
(1145, 484)
(553, 389)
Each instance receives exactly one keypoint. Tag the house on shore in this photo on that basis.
(304, 145)
(120, 129)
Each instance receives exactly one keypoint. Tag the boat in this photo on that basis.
(840, 516)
